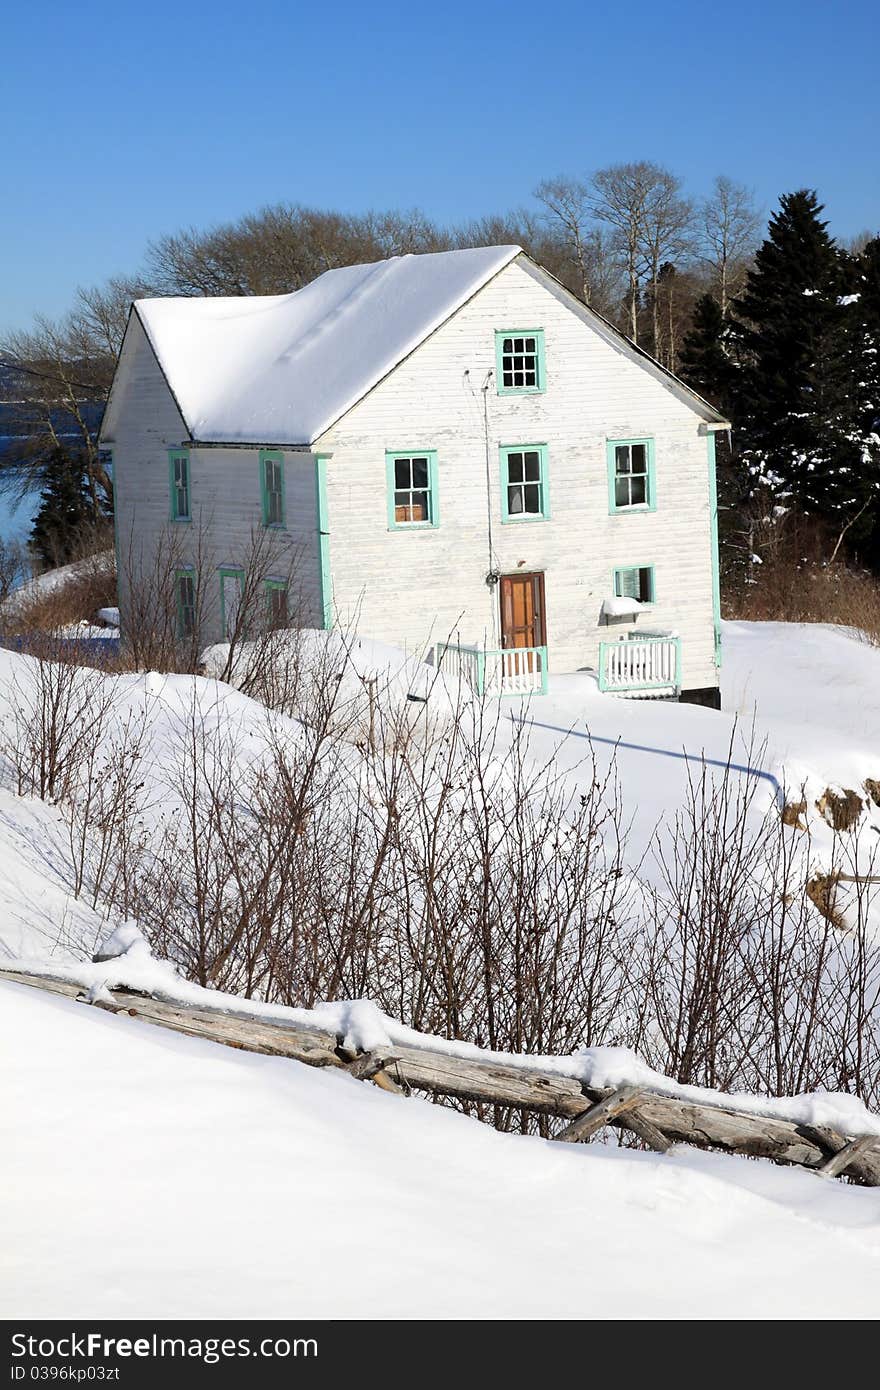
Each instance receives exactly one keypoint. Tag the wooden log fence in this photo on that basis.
(659, 1120)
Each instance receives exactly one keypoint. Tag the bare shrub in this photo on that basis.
(747, 985)
(76, 596)
(790, 576)
(15, 567)
(467, 885)
(54, 722)
(104, 808)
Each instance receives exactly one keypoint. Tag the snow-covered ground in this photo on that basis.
(150, 1175)
(121, 1143)
(42, 585)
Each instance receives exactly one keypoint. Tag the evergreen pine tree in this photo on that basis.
(65, 511)
(793, 397)
(704, 361)
(864, 309)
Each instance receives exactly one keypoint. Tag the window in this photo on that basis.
(412, 489)
(524, 491)
(631, 474)
(276, 603)
(519, 361)
(272, 487)
(231, 594)
(636, 581)
(186, 603)
(179, 476)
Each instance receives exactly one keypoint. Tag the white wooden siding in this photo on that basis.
(407, 586)
(225, 493)
(413, 587)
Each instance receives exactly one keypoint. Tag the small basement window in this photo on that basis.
(412, 489)
(519, 361)
(631, 474)
(635, 581)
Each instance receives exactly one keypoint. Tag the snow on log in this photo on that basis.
(660, 1119)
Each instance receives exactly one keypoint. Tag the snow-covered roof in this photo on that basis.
(282, 369)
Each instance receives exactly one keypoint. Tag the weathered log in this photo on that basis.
(644, 1130)
(366, 1065)
(839, 1162)
(661, 1119)
(600, 1114)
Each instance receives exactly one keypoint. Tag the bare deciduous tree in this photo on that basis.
(730, 227)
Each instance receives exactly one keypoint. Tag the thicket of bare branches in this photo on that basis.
(467, 887)
(790, 568)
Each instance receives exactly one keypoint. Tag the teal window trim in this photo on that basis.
(433, 520)
(623, 569)
(517, 518)
(325, 578)
(651, 483)
(115, 524)
(176, 457)
(187, 572)
(227, 572)
(713, 532)
(540, 363)
(272, 456)
(276, 586)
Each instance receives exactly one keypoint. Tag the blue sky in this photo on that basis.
(125, 121)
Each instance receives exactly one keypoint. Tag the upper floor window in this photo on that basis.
(631, 474)
(178, 460)
(635, 581)
(519, 361)
(412, 489)
(524, 488)
(272, 487)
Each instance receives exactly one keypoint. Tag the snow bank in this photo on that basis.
(44, 584)
(369, 676)
(203, 1182)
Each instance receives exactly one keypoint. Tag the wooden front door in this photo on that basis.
(522, 611)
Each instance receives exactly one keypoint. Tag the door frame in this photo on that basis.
(540, 604)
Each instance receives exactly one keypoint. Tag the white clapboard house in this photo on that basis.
(463, 454)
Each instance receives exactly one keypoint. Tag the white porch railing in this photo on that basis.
(461, 664)
(641, 665)
(513, 671)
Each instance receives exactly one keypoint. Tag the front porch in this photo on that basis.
(643, 667)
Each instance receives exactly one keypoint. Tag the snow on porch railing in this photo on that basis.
(463, 664)
(641, 665)
(513, 671)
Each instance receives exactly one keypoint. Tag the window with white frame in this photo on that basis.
(631, 474)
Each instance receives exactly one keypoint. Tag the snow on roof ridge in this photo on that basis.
(361, 289)
(230, 367)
